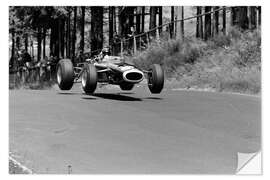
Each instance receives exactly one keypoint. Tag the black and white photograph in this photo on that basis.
(154, 90)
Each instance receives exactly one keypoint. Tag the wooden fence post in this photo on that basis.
(157, 35)
(121, 48)
(147, 39)
(140, 43)
(134, 45)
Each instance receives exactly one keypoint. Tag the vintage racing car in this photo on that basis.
(109, 70)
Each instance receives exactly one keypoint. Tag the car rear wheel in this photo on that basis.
(155, 79)
(65, 74)
(89, 79)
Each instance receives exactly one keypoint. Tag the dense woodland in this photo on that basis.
(70, 32)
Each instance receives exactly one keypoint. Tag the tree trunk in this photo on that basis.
(252, 17)
(160, 18)
(39, 39)
(18, 42)
(111, 24)
(126, 21)
(68, 38)
(143, 14)
(216, 21)
(172, 24)
(199, 24)
(224, 20)
(52, 40)
(130, 13)
(32, 48)
(26, 42)
(207, 23)
(44, 43)
(13, 46)
(233, 16)
(59, 42)
(96, 29)
(180, 24)
(56, 38)
(153, 20)
(243, 18)
(82, 30)
(74, 34)
(138, 19)
(62, 38)
(120, 21)
(259, 15)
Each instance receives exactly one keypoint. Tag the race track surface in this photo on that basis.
(51, 131)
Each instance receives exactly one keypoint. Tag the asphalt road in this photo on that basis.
(115, 132)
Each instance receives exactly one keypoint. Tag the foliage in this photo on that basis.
(229, 62)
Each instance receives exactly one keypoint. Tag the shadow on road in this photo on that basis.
(89, 98)
(154, 98)
(69, 93)
(117, 97)
(126, 93)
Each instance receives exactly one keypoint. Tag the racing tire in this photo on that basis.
(65, 74)
(89, 79)
(126, 86)
(155, 79)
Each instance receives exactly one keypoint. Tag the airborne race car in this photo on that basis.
(108, 70)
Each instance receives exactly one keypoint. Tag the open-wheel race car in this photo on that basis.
(107, 70)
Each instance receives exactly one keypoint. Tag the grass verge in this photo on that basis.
(230, 62)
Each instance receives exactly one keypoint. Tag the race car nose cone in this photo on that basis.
(133, 76)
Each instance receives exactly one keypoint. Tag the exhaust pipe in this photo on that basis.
(133, 76)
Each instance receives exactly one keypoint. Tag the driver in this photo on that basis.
(104, 52)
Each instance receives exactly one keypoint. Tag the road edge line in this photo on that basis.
(24, 168)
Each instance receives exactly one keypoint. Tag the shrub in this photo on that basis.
(226, 62)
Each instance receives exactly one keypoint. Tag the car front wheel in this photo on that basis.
(65, 74)
(155, 79)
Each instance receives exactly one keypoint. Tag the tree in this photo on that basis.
(216, 20)
(172, 23)
(143, 14)
(62, 37)
(224, 20)
(44, 43)
(126, 20)
(207, 23)
(111, 24)
(25, 42)
(253, 17)
(243, 18)
(138, 19)
(180, 24)
(68, 36)
(233, 16)
(74, 33)
(96, 29)
(39, 39)
(160, 18)
(199, 24)
(82, 29)
(153, 19)
(12, 58)
(259, 15)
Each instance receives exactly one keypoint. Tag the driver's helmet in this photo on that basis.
(106, 51)
(20, 53)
